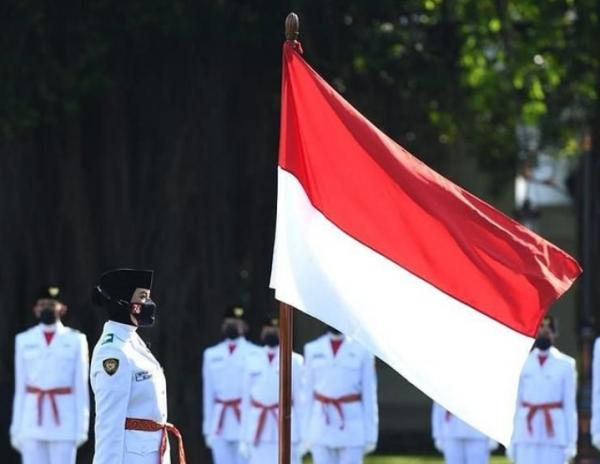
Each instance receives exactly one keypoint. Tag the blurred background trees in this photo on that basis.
(144, 133)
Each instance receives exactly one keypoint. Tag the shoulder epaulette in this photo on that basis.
(108, 338)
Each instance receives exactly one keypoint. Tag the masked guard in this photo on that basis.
(129, 384)
(458, 441)
(342, 417)
(51, 404)
(546, 419)
(222, 369)
(260, 400)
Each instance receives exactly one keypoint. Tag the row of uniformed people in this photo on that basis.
(335, 404)
(51, 401)
(334, 397)
(545, 427)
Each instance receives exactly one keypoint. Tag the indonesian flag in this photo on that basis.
(434, 281)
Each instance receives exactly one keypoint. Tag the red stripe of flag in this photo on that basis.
(378, 193)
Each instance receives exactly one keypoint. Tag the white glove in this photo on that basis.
(439, 445)
(15, 442)
(370, 447)
(244, 450)
(570, 452)
(209, 440)
(596, 440)
(81, 439)
(492, 445)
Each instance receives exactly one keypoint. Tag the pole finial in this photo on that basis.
(292, 27)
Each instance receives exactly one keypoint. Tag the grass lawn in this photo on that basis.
(416, 460)
(421, 460)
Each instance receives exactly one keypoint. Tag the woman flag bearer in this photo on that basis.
(128, 381)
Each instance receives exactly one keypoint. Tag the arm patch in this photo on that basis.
(110, 365)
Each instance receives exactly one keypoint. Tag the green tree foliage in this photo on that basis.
(468, 73)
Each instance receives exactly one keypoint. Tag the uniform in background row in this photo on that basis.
(595, 423)
(222, 373)
(342, 418)
(545, 429)
(50, 417)
(260, 400)
(458, 441)
(334, 411)
(546, 418)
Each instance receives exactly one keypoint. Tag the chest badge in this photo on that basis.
(110, 365)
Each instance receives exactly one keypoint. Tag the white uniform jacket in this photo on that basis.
(445, 425)
(47, 376)
(350, 374)
(595, 425)
(222, 374)
(260, 398)
(546, 406)
(136, 389)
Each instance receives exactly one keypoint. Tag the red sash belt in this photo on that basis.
(147, 425)
(50, 393)
(262, 418)
(545, 408)
(228, 404)
(337, 404)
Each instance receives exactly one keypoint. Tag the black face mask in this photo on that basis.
(271, 340)
(48, 316)
(542, 343)
(147, 313)
(231, 331)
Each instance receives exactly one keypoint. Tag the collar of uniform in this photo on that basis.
(236, 341)
(57, 327)
(123, 331)
(331, 336)
(268, 349)
(538, 352)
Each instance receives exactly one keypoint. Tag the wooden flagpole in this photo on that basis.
(286, 326)
(285, 382)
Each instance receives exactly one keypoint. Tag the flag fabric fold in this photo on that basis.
(437, 283)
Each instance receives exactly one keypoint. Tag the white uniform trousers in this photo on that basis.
(152, 457)
(466, 451)
(226, 452)
(48, 452)
(267, 453)
(526, 453)
(348, 455)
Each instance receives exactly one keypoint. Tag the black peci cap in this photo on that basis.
(119, 284)
(235, 312)
(552, 322)
(272, 320)
(49, 292)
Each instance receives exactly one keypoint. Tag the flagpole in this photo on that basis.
(286, 326)
(285, 381)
